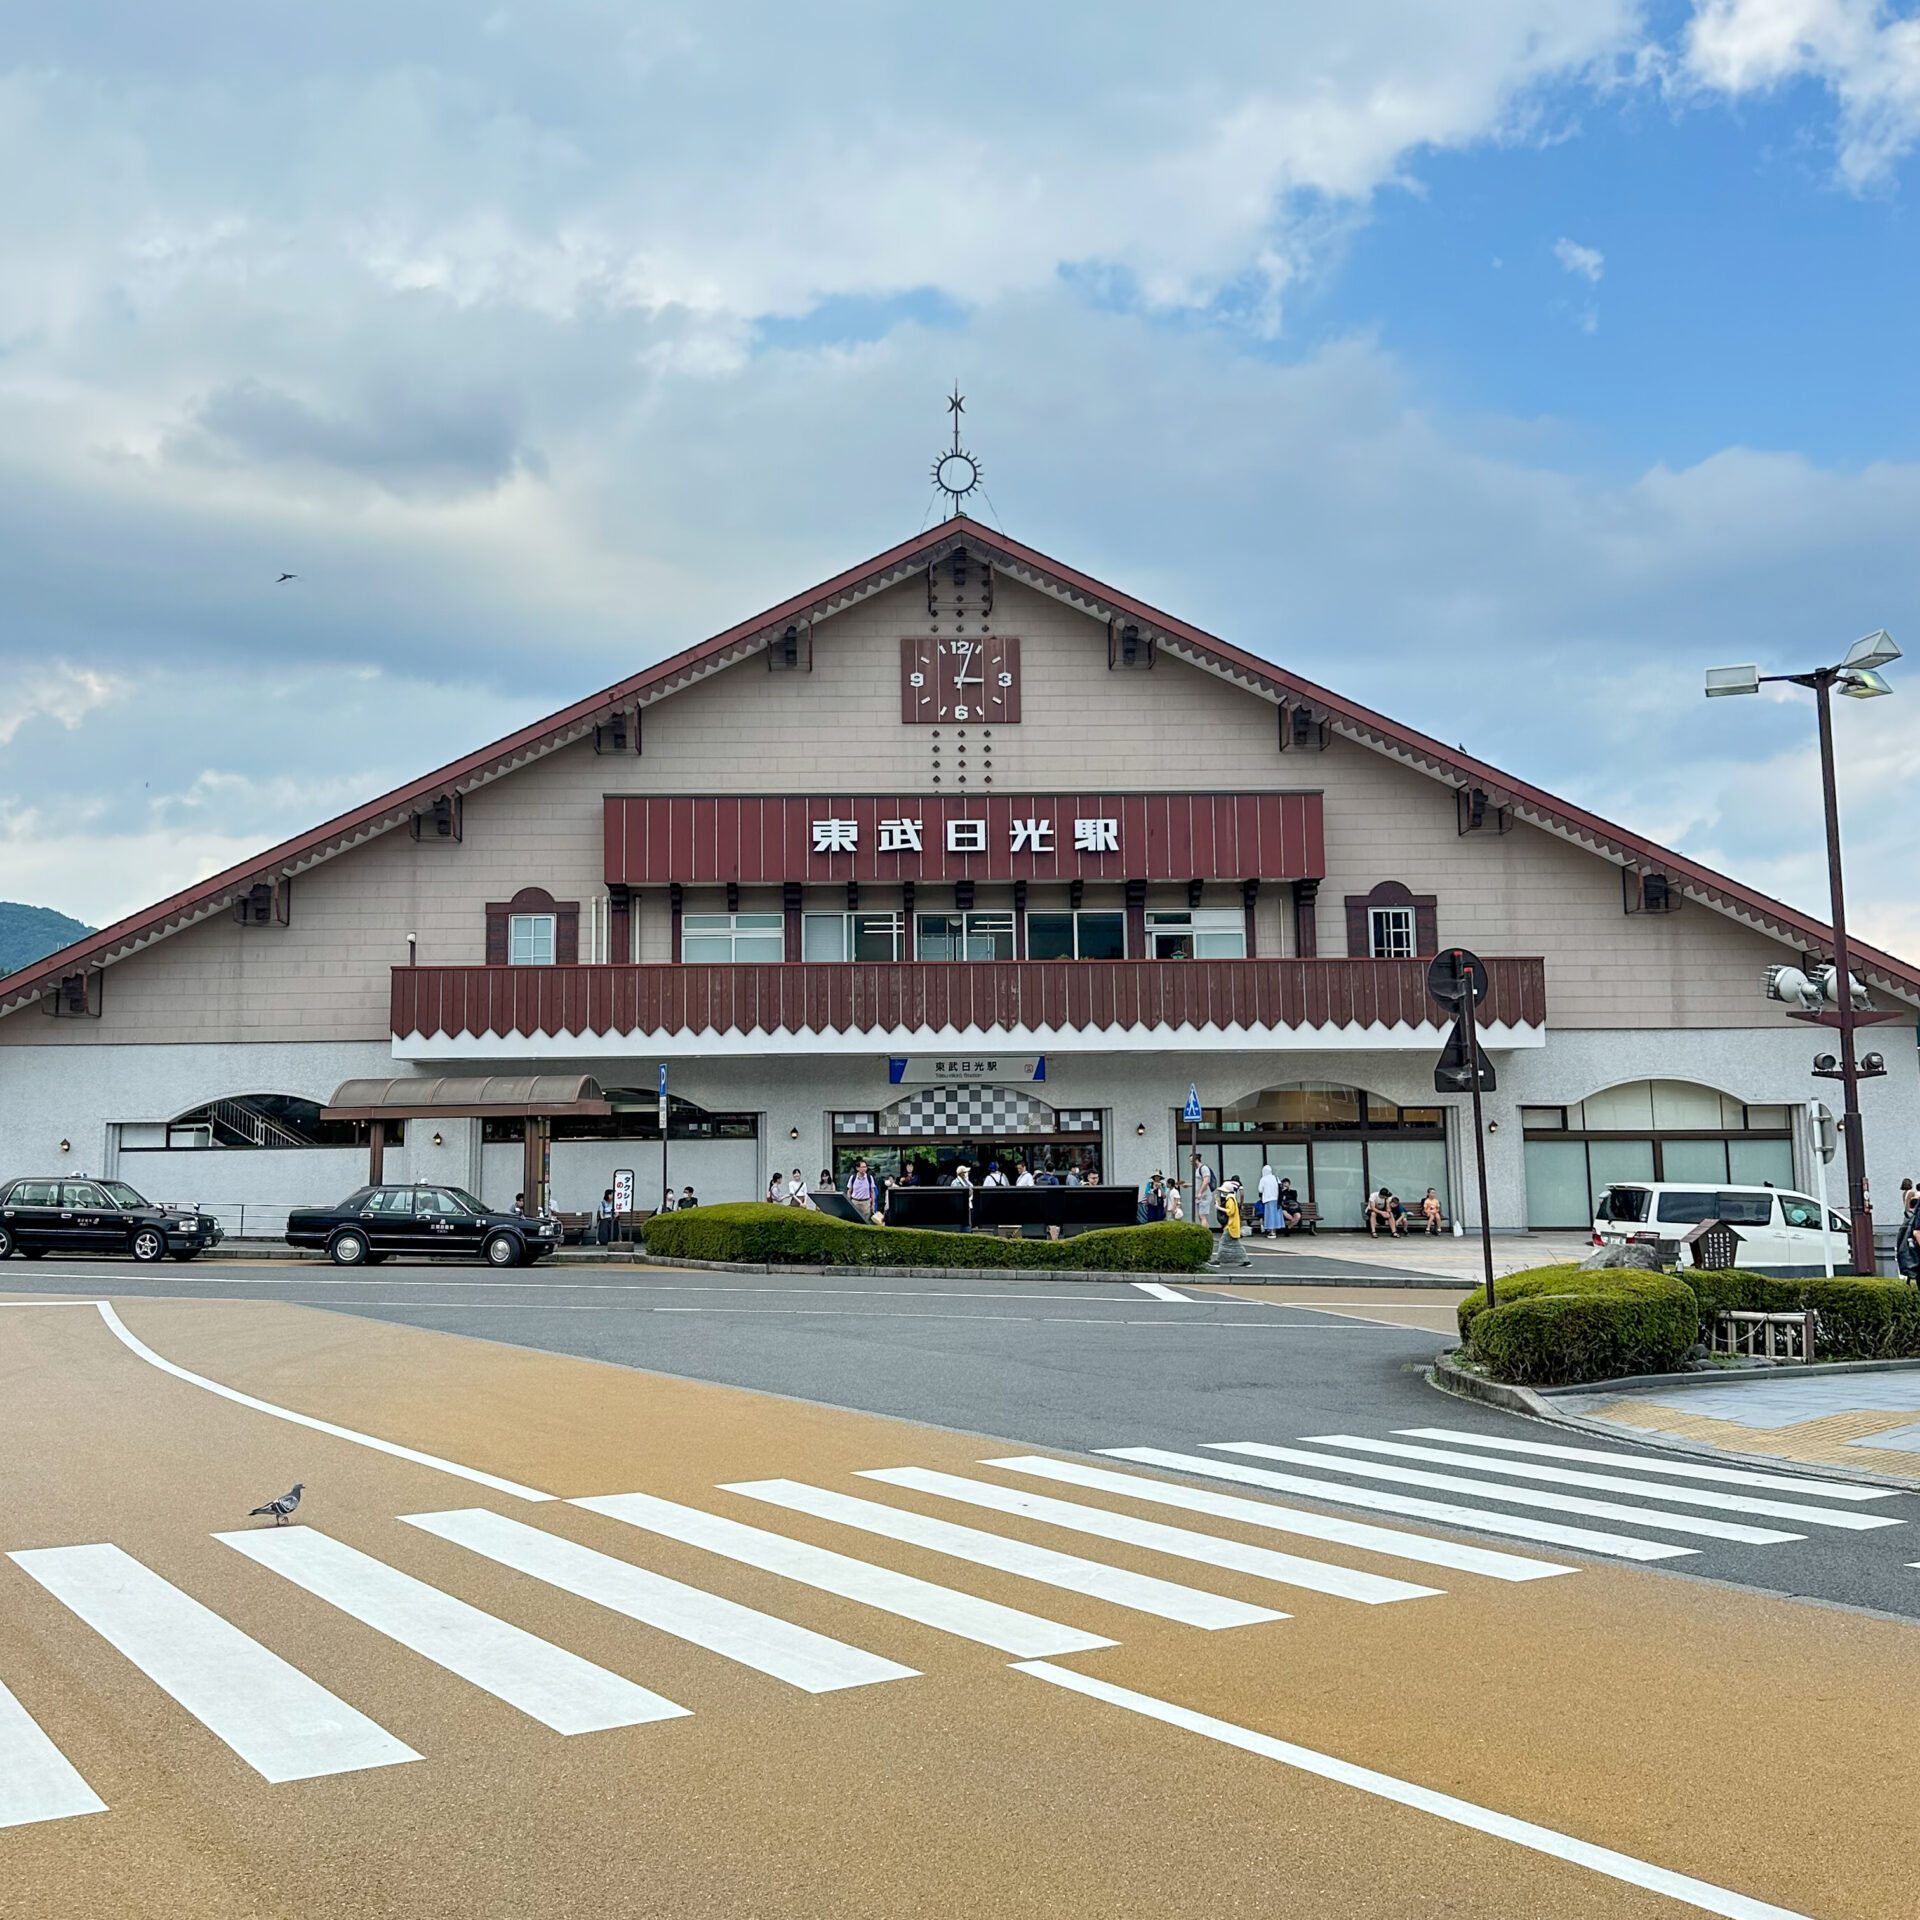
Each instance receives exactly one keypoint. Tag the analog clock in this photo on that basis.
(960, 681)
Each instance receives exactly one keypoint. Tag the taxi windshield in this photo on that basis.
(122, 1194)
(465, 1199)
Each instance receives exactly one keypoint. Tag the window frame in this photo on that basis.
(532, 926)
(733, 928)
(989, 922)
(1075, 916)
(1392, 933)
(1200, 924)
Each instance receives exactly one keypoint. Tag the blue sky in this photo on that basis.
(1503, 366)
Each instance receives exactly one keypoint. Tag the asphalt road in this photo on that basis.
(1085, 1368)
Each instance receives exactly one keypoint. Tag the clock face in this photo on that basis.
(960, 682)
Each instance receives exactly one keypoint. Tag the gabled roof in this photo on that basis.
(1175, 637)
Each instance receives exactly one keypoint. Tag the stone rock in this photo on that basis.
(1628, 1254)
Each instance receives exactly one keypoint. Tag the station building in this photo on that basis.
(958, 855)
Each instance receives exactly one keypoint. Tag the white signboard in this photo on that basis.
(954, 1069)
(623, 1190)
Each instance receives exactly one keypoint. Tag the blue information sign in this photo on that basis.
(1192, 1109)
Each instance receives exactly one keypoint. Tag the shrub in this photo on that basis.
(1558, 1325)
(1860, 1319)
(795, 1236)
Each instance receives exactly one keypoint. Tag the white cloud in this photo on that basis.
(54, 692)
(1867, 55)
(1587, 262)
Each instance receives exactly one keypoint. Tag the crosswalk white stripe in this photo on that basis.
(1702, 1894)
(1453, 1554)
(801, 1657)
(1676, 1469)
(1163, 1293)
(1142, 1592)
(1515, 1496)
(551, 1685)
(1478, 1519)
(1609, 1483)
(282, 1724)
(37, 1780)
(1181, 1543)
(964, 1614)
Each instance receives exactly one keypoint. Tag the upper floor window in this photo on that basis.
(851, 936)
(1390, 933)
(1205, 933)
(725, 939)
(1076, 936)
(963, 936)
(530, 939)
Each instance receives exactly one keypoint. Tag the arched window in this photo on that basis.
(279, 1121)
(533, 929)
(1392, 923)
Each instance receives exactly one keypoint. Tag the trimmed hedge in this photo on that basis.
(795, 1236)
(1556, 1326)
(1860, 1318)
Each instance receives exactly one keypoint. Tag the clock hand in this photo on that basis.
(969, 680)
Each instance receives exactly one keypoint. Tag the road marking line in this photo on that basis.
(797, 1655)
(1144, 1594)
(1163, 1293)
(1678, 1469)
(146, 1353)
(37, 1780)
(986, 1621)
(1478, 1519)
(1489, 1561)
(551, 1685)
(1515, 1496)
(1606, 1482)
(1463, 1813)
(1315, 1576)
(282, 1724)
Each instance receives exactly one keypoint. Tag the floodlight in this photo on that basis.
(1876, 650)
(1862, 683)
(1824, 1063)
(1873, 1063)
(1722, 681)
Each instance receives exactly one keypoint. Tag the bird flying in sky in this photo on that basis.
(284, 578)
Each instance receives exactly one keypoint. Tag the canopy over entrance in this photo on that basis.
(496, 1096)
(533, 1097)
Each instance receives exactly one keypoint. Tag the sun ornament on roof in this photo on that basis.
(956, 473)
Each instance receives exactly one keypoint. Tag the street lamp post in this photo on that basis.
(1858, 677)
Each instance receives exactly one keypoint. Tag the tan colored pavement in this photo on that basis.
(1609, 1704)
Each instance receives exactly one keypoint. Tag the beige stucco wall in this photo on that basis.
(325, 977)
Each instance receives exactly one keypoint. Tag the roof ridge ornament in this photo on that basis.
(956, 472)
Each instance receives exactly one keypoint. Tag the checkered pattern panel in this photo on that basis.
(968, 1111)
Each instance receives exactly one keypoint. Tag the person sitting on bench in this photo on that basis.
(1430, 1211)
(1289, 1205)
(1383, 1210)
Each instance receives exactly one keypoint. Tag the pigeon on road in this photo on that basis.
(283, 1507)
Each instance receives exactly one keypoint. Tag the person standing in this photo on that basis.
(995, 1178)
(603, 1220)
(1907, 1252)
(1022, 1174)
(1269, 1201)
(775, 1191)
(1202, 1191)
(1174, 1210)
(797, 1194)
(860, 1190)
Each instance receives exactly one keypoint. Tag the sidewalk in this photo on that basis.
(1869, 1422)
(1438, 1256)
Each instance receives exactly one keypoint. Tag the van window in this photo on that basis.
(1688, 1209)
(1744, 1209)
(1627, 1203)
(1798, 1211)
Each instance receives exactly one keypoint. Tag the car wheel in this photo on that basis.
(348, 1249)
(149, 1245)
(502, 1250)
(6, 1244)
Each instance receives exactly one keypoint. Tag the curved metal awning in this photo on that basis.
(490, 1096)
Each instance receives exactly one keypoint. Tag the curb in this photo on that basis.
(1533, 1404)
(1201, 1278)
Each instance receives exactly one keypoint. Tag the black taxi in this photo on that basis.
(57, 1214)
(374, 1223)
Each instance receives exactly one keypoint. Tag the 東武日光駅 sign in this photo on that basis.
(950, 1069)
(652, 839)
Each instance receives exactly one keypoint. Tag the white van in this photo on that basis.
(1779, 1231)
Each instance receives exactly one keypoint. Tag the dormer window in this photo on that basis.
(1390, 933)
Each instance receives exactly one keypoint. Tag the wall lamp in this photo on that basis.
(437, 1141)
(66, 1146)
(793, 1133)
(1141, 1129)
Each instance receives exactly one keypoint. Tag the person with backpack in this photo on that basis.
(1907, 1252)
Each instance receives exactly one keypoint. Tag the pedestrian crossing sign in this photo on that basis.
(1192, 1108)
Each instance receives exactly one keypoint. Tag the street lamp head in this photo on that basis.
(1722, 681)
(1825, 1063)
(1862, 683)
(1876, 650)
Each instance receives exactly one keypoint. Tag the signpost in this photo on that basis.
(666, 1192)
(622, 1200)
(1190, 1113)
(1820, 1115)
(1458, 979)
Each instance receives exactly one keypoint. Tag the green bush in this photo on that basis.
(795, 1236)
(1555, 1326)
(1860, 1319)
